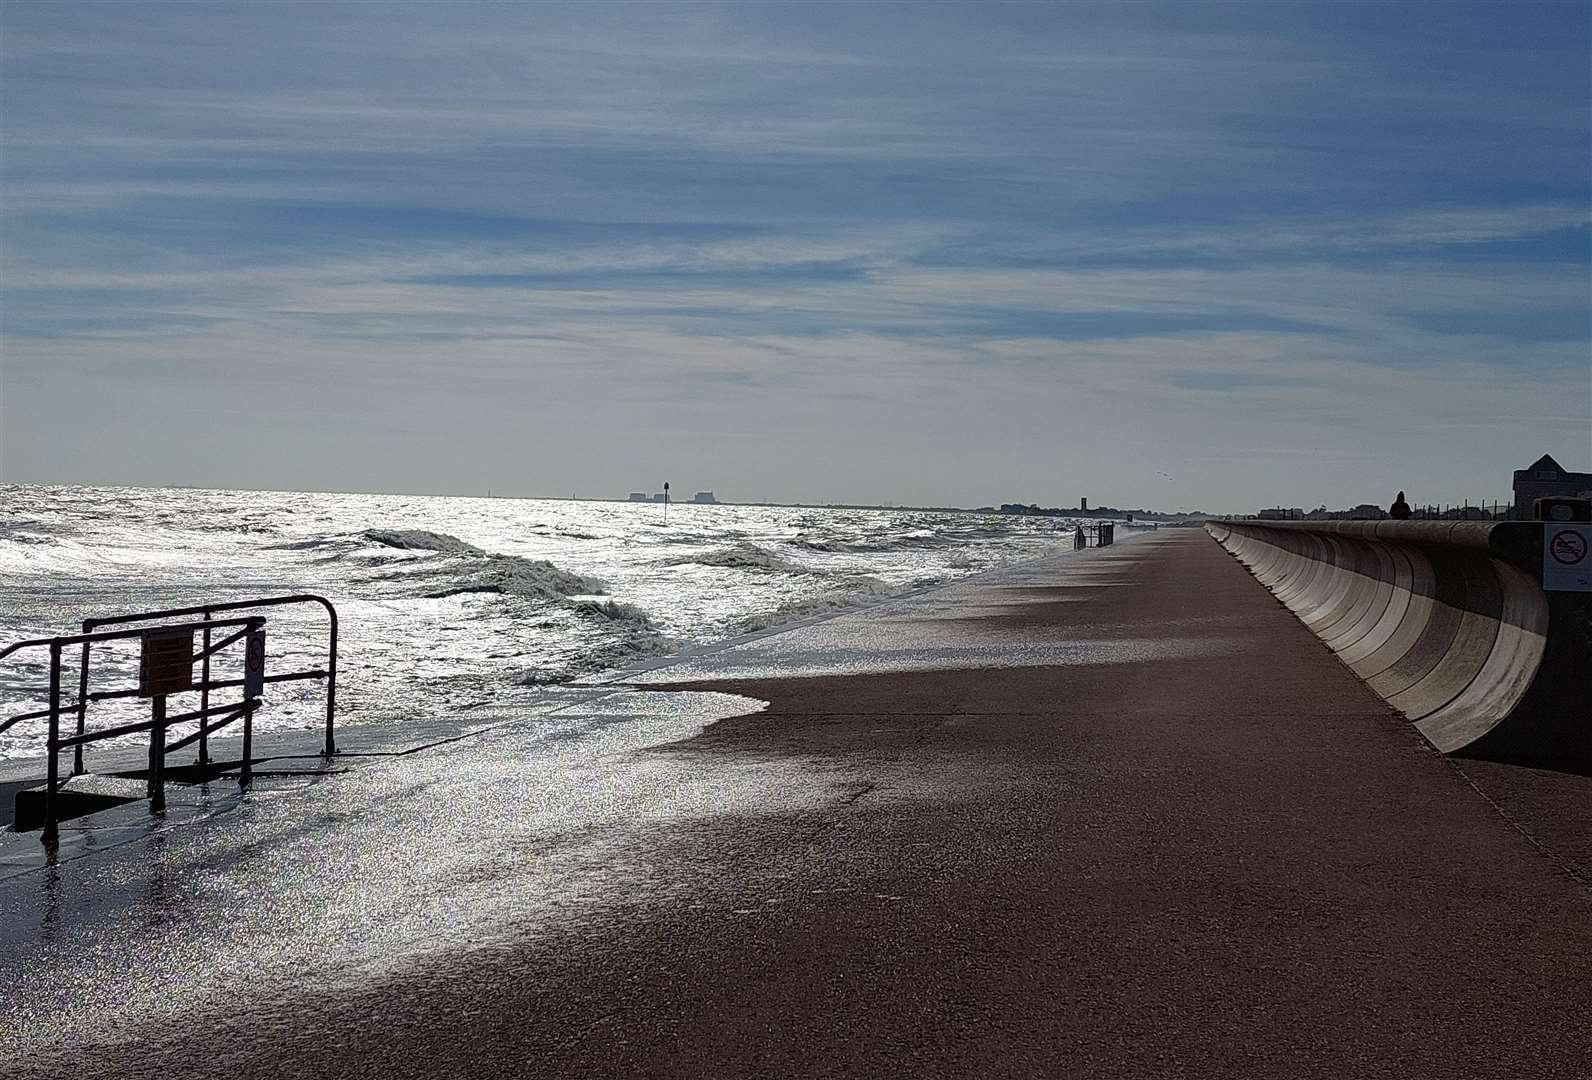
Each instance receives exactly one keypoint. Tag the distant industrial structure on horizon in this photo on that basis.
(701, 498)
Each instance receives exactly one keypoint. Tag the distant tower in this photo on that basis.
(1083, 504)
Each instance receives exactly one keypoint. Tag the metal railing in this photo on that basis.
(209, 718)
(1104, 534)
(207, 611)
(156, 725)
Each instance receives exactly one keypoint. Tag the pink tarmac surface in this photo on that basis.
(1118, 814)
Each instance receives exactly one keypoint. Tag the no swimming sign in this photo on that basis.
(1565, 564)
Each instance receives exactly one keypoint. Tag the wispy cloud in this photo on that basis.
(968, 246)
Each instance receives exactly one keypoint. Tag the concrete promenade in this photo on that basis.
(1114, 814)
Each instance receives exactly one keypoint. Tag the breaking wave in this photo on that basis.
(511, 575)
(859, 590)
(627, 635)
(458, 568)
(745, 556)
(420, 540)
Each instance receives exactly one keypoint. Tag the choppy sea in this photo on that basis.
(450, 604)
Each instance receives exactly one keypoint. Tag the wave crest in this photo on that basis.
(512, 575)
(745, 556)
(420, 540)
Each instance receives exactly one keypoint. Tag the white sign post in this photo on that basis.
(1566, 566)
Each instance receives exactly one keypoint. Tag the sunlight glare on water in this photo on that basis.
(448, 603)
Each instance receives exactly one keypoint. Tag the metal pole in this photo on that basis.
(52, 772)
(82, 701)
(246, 774)
(331, 683)
(204, 697)
(157, 754)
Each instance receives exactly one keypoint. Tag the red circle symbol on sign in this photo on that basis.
(1568, 548)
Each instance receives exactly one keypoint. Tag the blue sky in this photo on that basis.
(1214, 255)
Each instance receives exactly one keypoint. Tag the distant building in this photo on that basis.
(1547, 479)
(1367, 512)
(703, 497)
(1083, 504)
(640, 496)
(660, 497)
(1282, 513)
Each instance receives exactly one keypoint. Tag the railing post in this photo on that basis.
(157, 754)
(204, 696)
(246, 773)
(82, 701)
(331, 680)
(52, 771)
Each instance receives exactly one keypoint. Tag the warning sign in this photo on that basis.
(166, 664)
(254, 664)
(1565, 566)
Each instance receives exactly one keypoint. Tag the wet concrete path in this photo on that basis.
(1113, 814)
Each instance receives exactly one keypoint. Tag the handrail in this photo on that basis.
(156, 725)
(115, 635)
(159, 721)
(207, 610)
(214, 684)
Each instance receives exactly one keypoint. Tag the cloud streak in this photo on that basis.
(938, 253)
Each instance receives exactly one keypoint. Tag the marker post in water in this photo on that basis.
(666, 502)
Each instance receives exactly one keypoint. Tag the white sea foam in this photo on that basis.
(857, 590)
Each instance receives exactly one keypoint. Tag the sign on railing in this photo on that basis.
(165, 665)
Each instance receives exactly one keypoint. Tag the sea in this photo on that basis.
(449, 605)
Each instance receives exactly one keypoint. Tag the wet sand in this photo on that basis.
(1172, 837)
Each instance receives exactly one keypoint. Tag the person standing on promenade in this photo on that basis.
(1400, 509)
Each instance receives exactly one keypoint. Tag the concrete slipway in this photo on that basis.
(1117, 813)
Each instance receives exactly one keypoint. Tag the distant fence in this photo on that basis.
(1446, 621)
(1494, 511)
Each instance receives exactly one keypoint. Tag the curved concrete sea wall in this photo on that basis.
(1447, 621)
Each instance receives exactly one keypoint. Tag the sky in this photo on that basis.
(1170, 255)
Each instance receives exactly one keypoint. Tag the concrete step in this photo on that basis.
(87, 793)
